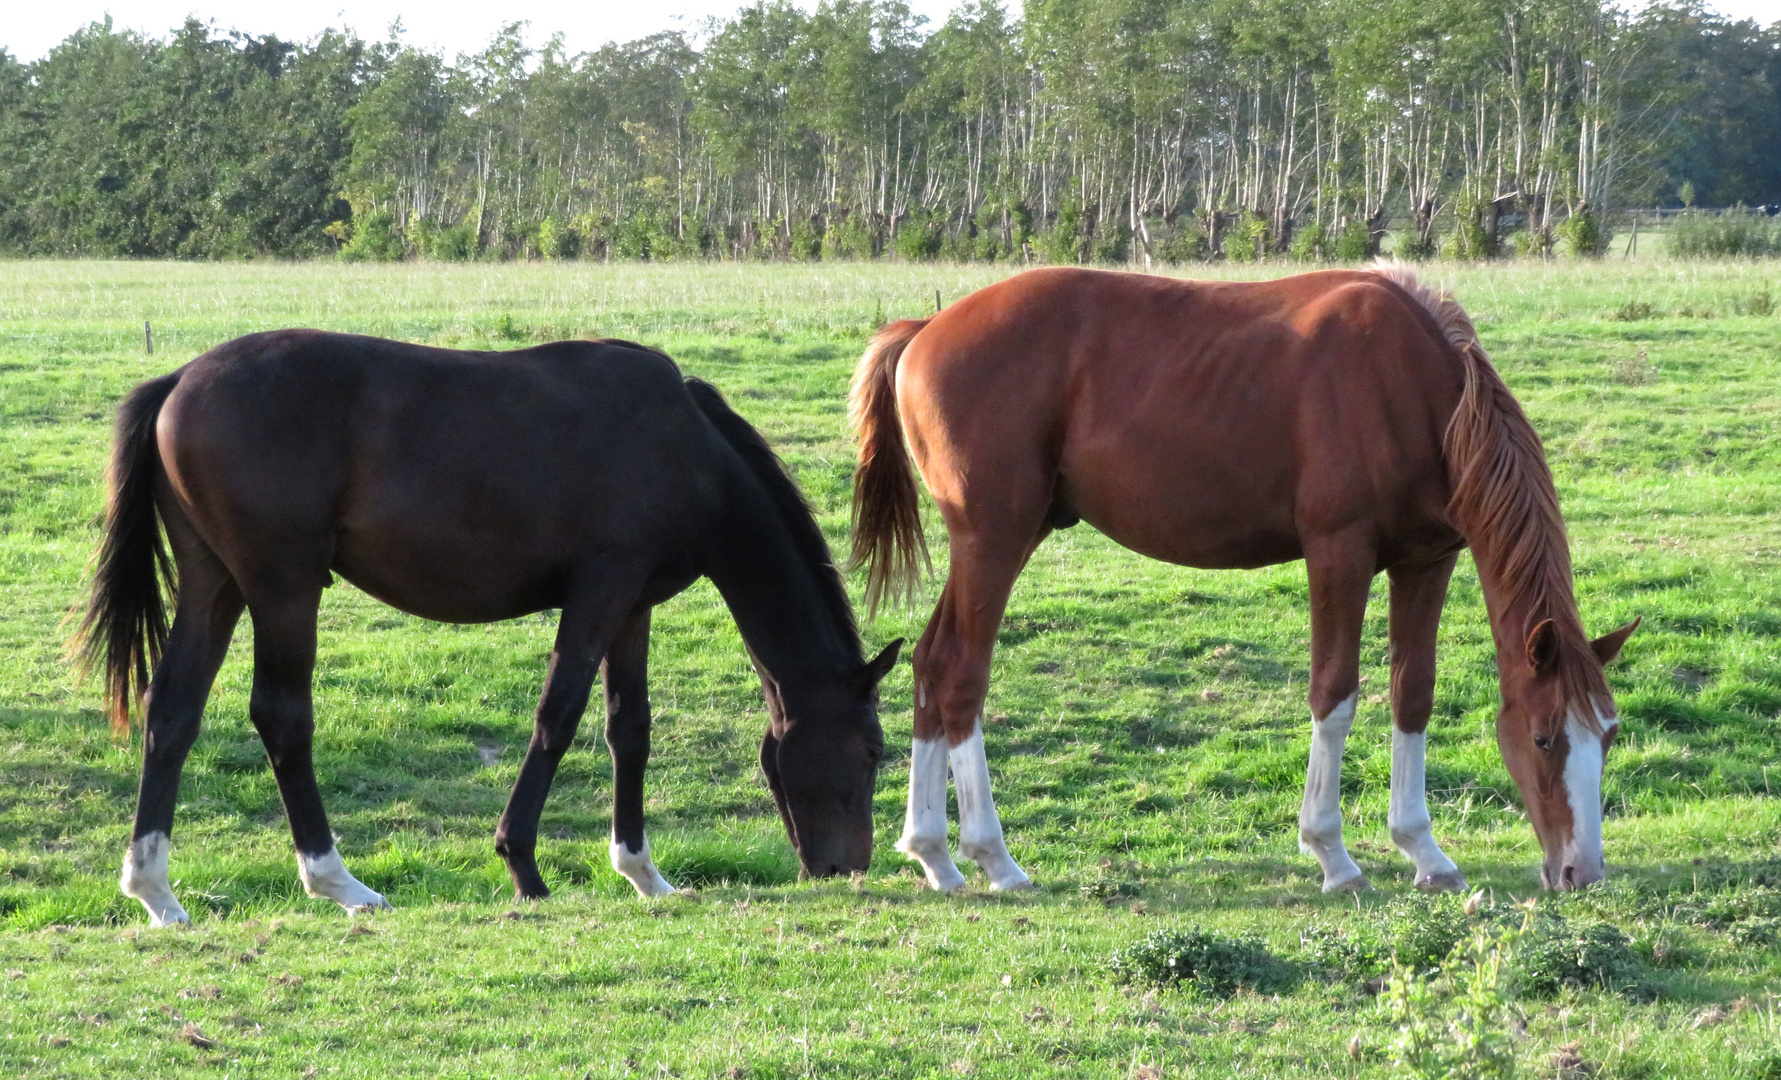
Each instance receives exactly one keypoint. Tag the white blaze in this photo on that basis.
(1583, 787)
(924, 825)
(1408, 817)
(326, 877)
(145, 878)
(980, 829)
(1320, 816)
(639, 869)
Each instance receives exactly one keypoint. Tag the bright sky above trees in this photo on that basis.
(453, 26)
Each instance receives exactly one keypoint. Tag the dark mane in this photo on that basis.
(806, 536)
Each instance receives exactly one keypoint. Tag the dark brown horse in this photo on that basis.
(1347, 418)
(469, 487)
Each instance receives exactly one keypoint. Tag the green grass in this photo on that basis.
(1136, 799)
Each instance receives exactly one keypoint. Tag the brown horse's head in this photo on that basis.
(821, 755)
(1554, 729)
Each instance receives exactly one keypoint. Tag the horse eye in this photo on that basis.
(1544, 742)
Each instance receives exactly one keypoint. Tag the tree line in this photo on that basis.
(1086, 130)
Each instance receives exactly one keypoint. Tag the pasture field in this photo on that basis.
(1147, 729)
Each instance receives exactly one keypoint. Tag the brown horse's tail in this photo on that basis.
(126, 620)
(887, 537)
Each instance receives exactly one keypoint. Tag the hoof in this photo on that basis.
(1357, 883)
(1452, 881)
(1025, 884)
(367, 907)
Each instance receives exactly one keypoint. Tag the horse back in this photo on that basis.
(406, 468)
(1215, 424)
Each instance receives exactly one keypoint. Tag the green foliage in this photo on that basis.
(1354, 243)
(1207, 962)
(1453, 1023)
(1704, 234)
(1470, 239)
(1068, 240)
(1584, 234)
(1244, 237)
(849, 236)
(919, 236)
(1557, 954)
(375, 239)
(1311, 243)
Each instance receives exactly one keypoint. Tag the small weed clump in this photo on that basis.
(1635, 370)
(1456, 1021)
(1419, 935)
(1555, 954)
(1209, 963)
(1632, 311)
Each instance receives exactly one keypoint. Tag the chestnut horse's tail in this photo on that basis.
(887, 537)
(126, 620)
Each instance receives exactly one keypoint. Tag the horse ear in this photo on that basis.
(879, 666)
(1542, 647)
(1607, 647)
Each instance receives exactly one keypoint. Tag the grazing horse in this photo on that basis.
(588, 477)
(1347, 418)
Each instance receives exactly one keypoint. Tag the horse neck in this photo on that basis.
(1518, 598)
(788, 620)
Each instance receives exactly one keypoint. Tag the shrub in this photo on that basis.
(1701, 234)
(1555, 954)
(1112, 244)
(849, 236)
(1454, 1024)
(1469, 240)
(456, 243)
(1243, 240)
(806, 240)
(1205, 961)
(1584, 235)
(1068, 240)
(1185, 242)
(1354, 243)
(1632, 311)
(1311, 243)
(918, 236)
(375, 238)
(557, 239)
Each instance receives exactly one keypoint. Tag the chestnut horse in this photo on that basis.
(1347, 418)
(588, 477)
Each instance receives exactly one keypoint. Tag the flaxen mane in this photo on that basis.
(1503, 496)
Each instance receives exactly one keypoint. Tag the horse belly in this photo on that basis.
(1185, 497)
(448, 580)
(1212, 535)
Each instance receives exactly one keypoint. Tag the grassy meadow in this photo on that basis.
(1147, 729)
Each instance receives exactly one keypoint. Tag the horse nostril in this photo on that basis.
(1568, 880)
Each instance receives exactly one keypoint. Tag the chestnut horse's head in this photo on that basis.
(821, 755)
(1554, 729)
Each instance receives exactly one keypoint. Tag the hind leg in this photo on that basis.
(1417, 594)
(1339, 578)
(284, 714)
(952, 665)
(209, 606)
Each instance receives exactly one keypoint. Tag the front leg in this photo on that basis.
(625, 677)
(584, 633)
(1417, 594)
(1340, 577)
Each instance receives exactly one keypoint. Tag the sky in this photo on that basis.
(28, 29)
